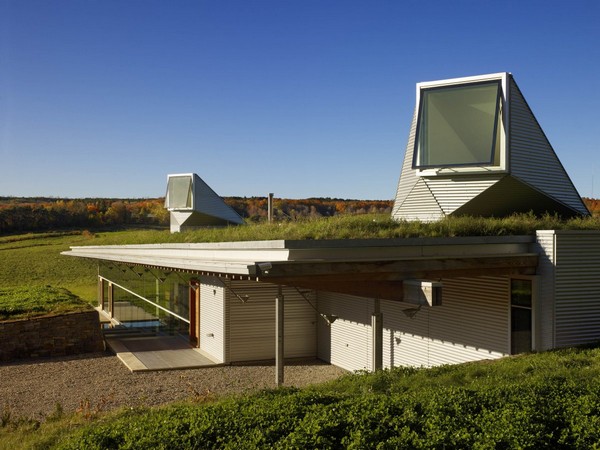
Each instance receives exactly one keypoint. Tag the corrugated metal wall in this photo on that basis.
(472, 324)
(453, 192)
(212, 317)
(407, 178)
(577, 287)
(208, 202)
(545, 299)
(346, 343)
(420, 203)
(532, 158)
(251, 325)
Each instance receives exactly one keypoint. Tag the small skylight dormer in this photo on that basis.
(461, 126)
(180, 192)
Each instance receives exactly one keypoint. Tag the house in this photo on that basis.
(373, 303)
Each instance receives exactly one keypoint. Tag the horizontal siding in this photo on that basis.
(533, 159)
(251, 326)
(453, 192)
(545, 299)
(212, 317)
(471, 324)
(346, 343)
(577, 288)
(420, 205)
(408, 179)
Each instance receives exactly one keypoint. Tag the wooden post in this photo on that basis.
(279, 337)
(194, 309)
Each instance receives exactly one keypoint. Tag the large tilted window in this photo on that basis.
(179, 192)
(459, 126)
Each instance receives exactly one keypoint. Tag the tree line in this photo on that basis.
(41, 214)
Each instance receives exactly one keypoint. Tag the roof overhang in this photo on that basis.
(370, 267)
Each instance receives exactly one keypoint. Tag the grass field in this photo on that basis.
(35, 259)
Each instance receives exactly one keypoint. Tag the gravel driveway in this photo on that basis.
(34, 388)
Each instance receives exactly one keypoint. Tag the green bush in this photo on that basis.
(546, 400)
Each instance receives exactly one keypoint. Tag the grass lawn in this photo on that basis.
(30, 301)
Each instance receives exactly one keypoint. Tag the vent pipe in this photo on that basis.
(270, 204)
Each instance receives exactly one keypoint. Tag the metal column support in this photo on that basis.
(279, 341)
(377, 329)
(100, 293)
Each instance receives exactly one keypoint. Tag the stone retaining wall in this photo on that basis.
(65, 334)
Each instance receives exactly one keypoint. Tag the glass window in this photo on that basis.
(521, 316)
(179, 192)
(458, 126)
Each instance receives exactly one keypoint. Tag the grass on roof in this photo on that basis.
(30, 301)
(372, 226)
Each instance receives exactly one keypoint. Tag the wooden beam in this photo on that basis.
(403, 269)
(388, 284)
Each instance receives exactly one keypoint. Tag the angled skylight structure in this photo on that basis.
(475, 148)
(193, 204)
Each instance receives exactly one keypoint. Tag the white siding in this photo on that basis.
(212, 317)
(472, 324)
(420, 204)
(251, 325)
(577, 287)
(532, 158)
(453, 192)
(346, 343)
(206, 201)
(408, 179)
(545, 298)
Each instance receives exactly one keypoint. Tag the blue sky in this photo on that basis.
(310, 98)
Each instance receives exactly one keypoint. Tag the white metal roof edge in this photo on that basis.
(242, 258)
(299, 244)
(197, 265)
(461, 80)
(572, 232)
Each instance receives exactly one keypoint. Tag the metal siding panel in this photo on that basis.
(453, 192)
(471, 324)
(252, 323)
(545, 299)
(420, 205)
(408, 178)
(532, 158)
(349, 337)
(208, 202)
(577, 288)
(212, 317)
